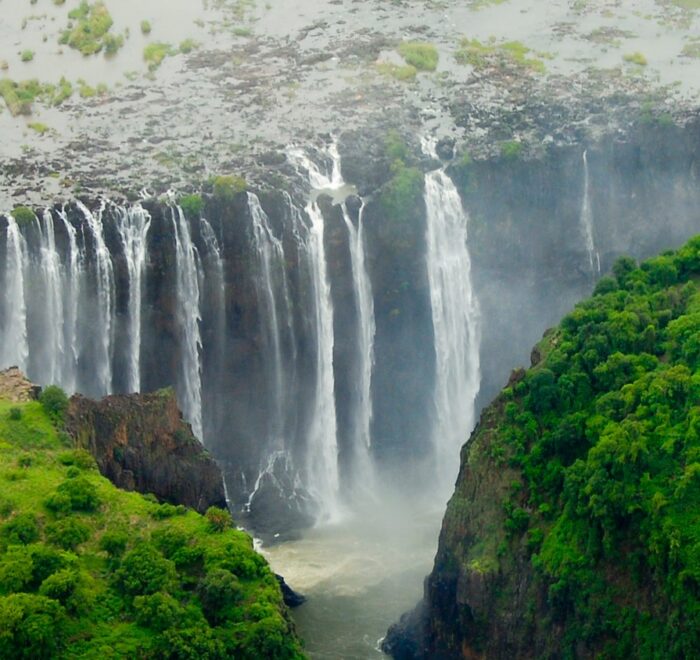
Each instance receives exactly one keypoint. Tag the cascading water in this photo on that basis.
(322, 442)
(455, 315)
(72, 275)
(14, 348)
(50, 356)
(587, 222)
(189, 317)
(102, 327)
(270, 277)
(133, 224)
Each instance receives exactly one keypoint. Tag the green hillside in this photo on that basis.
(574, 530)
(90, 571)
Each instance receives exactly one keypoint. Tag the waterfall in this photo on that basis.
(102, 328)
(364, 302)
(322, 442)
(72, 275)
(455, 316)
(189, 317)
(14, 348)
(270, 260)
(50, 357)
(132, 225)
(587, 222)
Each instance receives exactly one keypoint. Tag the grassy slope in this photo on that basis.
(95, 611)
(578, 508)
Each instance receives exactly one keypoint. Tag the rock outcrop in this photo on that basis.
(141, 442)
(15, 387)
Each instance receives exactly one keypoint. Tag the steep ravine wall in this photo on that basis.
(529, 263)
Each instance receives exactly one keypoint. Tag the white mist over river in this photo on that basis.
(359, 576)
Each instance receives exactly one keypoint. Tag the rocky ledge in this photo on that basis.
(142, 443)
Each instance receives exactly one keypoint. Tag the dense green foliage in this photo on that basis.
(89, 31)
(89, 571)
(605, 432)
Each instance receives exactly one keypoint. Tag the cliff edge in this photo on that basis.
(142, 443)
(574, 529)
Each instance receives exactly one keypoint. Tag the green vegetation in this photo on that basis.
(635, 58)
(604, 434)
(402, 195)
(19, 96)
(187, 46)
(422, 56)
(23, 215)
(512, 149)
(38, 127)
(89, 571)
(89, 31)
(156, 52)
(692, 49)
(226, 187)
(27, 55)
(403, 73)
(145, 27)
(500, 55)
(192, 205)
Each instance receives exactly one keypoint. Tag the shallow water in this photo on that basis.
(359, 576)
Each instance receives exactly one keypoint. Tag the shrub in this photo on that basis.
(114, 542)
(422, 56)
(55, 403)
(68, 533)
(80, 458)
(159, 611)
(81, 493)
(145, 27)
(16, 571)
(192, 205)
(23, 215)
(155, 53)
(194, 642)
(92, 23)
(219, 519)
(31, 627)
(226, 187)
(169, 540)
(27, 55)
(144, 571)
(68, 588)
(46, 561)
(15, 414)
(59, 503)
(218, 590)
(23, 528)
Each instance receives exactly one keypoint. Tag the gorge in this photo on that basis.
(337, 268)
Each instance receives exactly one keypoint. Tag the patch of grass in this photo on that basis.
(692, 49)
(192, 205)
(422, 56)
(38, 127)
(405, 73)
(499, 55)
(156, 52)
(226, 187)
(188, 45)
(19, 96)
(27, 55)
(512, 149)
(635, 58)
(146, 27)
(89, 31)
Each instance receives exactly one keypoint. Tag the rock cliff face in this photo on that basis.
(141, 442)
(573, 528)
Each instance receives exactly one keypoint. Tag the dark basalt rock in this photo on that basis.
(291, 597)
(141, 442)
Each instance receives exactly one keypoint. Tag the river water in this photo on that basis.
(359, 575)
